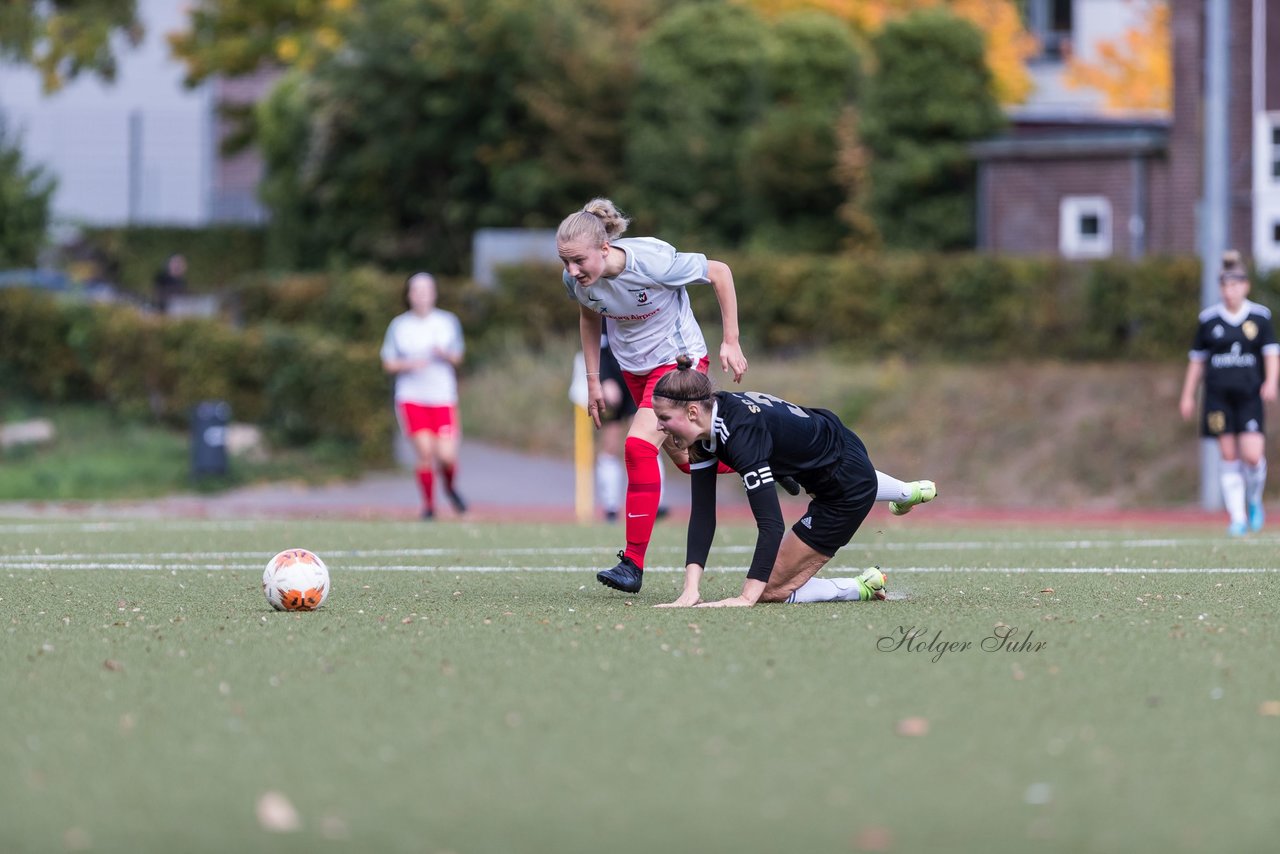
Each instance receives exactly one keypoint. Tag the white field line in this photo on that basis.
(143, 525)
(36, 565)
(340, 554)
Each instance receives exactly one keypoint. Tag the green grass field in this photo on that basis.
(471, 688)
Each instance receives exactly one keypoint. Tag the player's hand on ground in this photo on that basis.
(732, 360)
(687, 599)
(735, 602)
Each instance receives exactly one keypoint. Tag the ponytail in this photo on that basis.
(685, 384)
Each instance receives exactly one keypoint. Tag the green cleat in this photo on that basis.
(872, 583)
(922, 492)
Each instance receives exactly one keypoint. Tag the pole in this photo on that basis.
(583, 443)
(583, 465)
(1215, 207)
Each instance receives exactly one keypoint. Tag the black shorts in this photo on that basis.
(842, 498)
(1229, 412)
(609, 370)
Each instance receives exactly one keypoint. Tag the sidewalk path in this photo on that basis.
(497, 483)
(504, 485)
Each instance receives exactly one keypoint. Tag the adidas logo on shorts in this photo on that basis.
(807, 521)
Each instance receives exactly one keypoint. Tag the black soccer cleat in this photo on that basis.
(456, 500)
(790, 484)
(626, 576)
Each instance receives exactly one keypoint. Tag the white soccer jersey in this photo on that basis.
(413, 337)
(652, 321)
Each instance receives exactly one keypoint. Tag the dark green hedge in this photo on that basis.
(216, 255)
(972, 307)
(300, 386)
(302, 360)
(969, 307)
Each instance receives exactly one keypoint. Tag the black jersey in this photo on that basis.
(762, 438)
(1232, 346)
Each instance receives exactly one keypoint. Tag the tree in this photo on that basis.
(25, 192)
(1007, 44)
(238, 37)
(1134, 72)
(63, 39)
(931, 96)
(421, 129)
(701, 86)
(794, 189)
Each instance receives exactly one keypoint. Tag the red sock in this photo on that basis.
(722, 468)
(426, 485)
(644, 489)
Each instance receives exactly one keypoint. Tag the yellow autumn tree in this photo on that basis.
(1008, 44)
(1134, 71)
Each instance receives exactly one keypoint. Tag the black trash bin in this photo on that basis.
(209, 422)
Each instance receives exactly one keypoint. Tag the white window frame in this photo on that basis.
(1272, 175)
(1072, 241)
(1266, 190)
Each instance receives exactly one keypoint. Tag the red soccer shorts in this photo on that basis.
(641, 385)
(441, 420)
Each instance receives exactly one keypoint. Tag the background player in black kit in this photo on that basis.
(764, 438)
(1236, 354)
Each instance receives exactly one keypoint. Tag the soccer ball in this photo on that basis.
(296, 580)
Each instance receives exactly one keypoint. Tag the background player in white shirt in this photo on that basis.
(1236, 355)
(422, 349)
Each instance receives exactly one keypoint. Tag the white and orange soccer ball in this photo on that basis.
(296, 580)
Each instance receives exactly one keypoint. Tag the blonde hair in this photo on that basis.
(598, 222)
(1232, 266)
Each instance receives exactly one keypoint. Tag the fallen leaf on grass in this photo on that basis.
(276, 813)
(76, 839)
(873, 838)
(1270, 709)
(112, 665)
(1046, 590)
(913, 726)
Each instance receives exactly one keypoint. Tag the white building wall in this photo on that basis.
(139, 150)
(1092, 21)
(1098, 20)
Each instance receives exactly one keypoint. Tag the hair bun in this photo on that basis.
(683, 363)
(1231, 260)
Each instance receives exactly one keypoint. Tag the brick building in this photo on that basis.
(1074, 182)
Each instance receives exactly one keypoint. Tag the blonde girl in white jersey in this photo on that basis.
(639, 283)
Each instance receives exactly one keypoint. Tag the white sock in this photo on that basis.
(610, 479)
(828, 590)
(1232, 479)
(662, 482)
(1255, 482)
(890, 488)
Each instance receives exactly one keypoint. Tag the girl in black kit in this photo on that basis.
(764, 438)
(1236, 354)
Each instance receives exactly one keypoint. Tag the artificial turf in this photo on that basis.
(471, 688)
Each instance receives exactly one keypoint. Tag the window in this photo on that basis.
(1085, 227)
(1051, 22)
(1273, 155)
